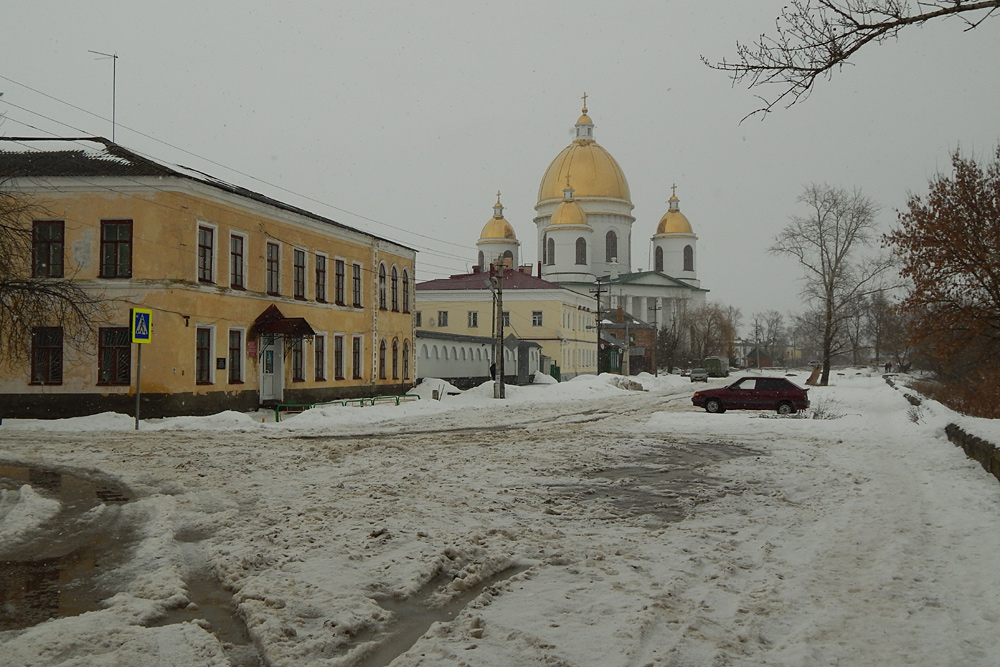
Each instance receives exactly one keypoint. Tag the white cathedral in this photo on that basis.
(584, 237)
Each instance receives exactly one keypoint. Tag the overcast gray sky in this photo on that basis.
(405, 118)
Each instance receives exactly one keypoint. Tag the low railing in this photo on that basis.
(296, 408)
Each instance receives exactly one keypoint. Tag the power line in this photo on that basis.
(210, 161)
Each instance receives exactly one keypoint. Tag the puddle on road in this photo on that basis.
(57, 571)
(416, 614)
(662, 486)
(64, 569)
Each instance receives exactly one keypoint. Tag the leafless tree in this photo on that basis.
(829, 244)
(28, 300)
(814, 37)
(769, 334)
(712, 330)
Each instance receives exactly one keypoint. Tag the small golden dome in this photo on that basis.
(497, 228)
(584, 119)
(568, 213)
(673, 221)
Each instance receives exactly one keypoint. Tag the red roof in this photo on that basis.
(512, 280)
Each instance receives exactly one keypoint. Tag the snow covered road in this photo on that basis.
(861, 539)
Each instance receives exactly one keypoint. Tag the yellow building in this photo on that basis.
(253, 301)
(561, 320)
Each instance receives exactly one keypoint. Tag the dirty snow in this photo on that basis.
(860, 538)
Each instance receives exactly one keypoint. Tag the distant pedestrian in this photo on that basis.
(493, 371)
(888, 367)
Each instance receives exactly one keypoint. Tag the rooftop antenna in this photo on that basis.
(114, 85)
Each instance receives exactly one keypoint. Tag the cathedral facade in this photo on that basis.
(583, 231)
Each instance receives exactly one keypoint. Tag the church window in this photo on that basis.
(581, 250)
(688, 258)
(611, 246)
(550, 252)
(658, 259)
(382, 296)
(395, 289)
(482, 261)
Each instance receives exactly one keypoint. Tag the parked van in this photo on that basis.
(717, 367)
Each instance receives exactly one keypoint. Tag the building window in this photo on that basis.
(381, 359)
(395, 359)
(406, 360)
(581, 250)
(688, 258)
(321, 278)
(273, 268)
(116, 248)
(381, 287)
(237, 259)
(356, 358)
(339, 279)
(203, 356)
(114, 356)
(442, 318)
(394, 285)
(206, 253)
(47, 243)
(319, 348)
(406, 291)
(658, 259)
(611, 246)
(46, 355)
(338, 357)
(536, 318)
(235, 356)
(550, 252)
(298, 361)
(473, 319)
(356, 285)
(506, 318)
(418, 319)
(299, 273)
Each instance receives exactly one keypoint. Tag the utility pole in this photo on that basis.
(496, 283)
(597, 294)
(656, 336)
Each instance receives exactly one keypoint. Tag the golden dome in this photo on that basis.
(673, 221)
(593, 171)
(497, 228)
(568, 213)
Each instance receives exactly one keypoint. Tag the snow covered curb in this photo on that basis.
(976, 448)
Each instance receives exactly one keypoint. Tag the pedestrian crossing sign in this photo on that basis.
(141, 325)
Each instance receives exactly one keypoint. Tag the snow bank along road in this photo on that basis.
(861, 539)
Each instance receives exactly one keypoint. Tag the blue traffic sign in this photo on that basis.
(141, 325)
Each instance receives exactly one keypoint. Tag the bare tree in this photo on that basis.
(769, 335)
(31, 293)
(712, 330)
(814, 37)
(829, 244)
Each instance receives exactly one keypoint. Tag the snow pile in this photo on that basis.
(22, 512)
(861, 538)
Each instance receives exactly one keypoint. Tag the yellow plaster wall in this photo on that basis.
(164, 279)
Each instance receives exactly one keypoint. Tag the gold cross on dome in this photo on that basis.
(584, 102)
(673, 190)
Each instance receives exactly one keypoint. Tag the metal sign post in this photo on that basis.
(141, 325)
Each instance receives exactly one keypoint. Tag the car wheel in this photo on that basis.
(713, 405)
(785, 408)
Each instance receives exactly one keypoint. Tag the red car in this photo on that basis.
(754, 393)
